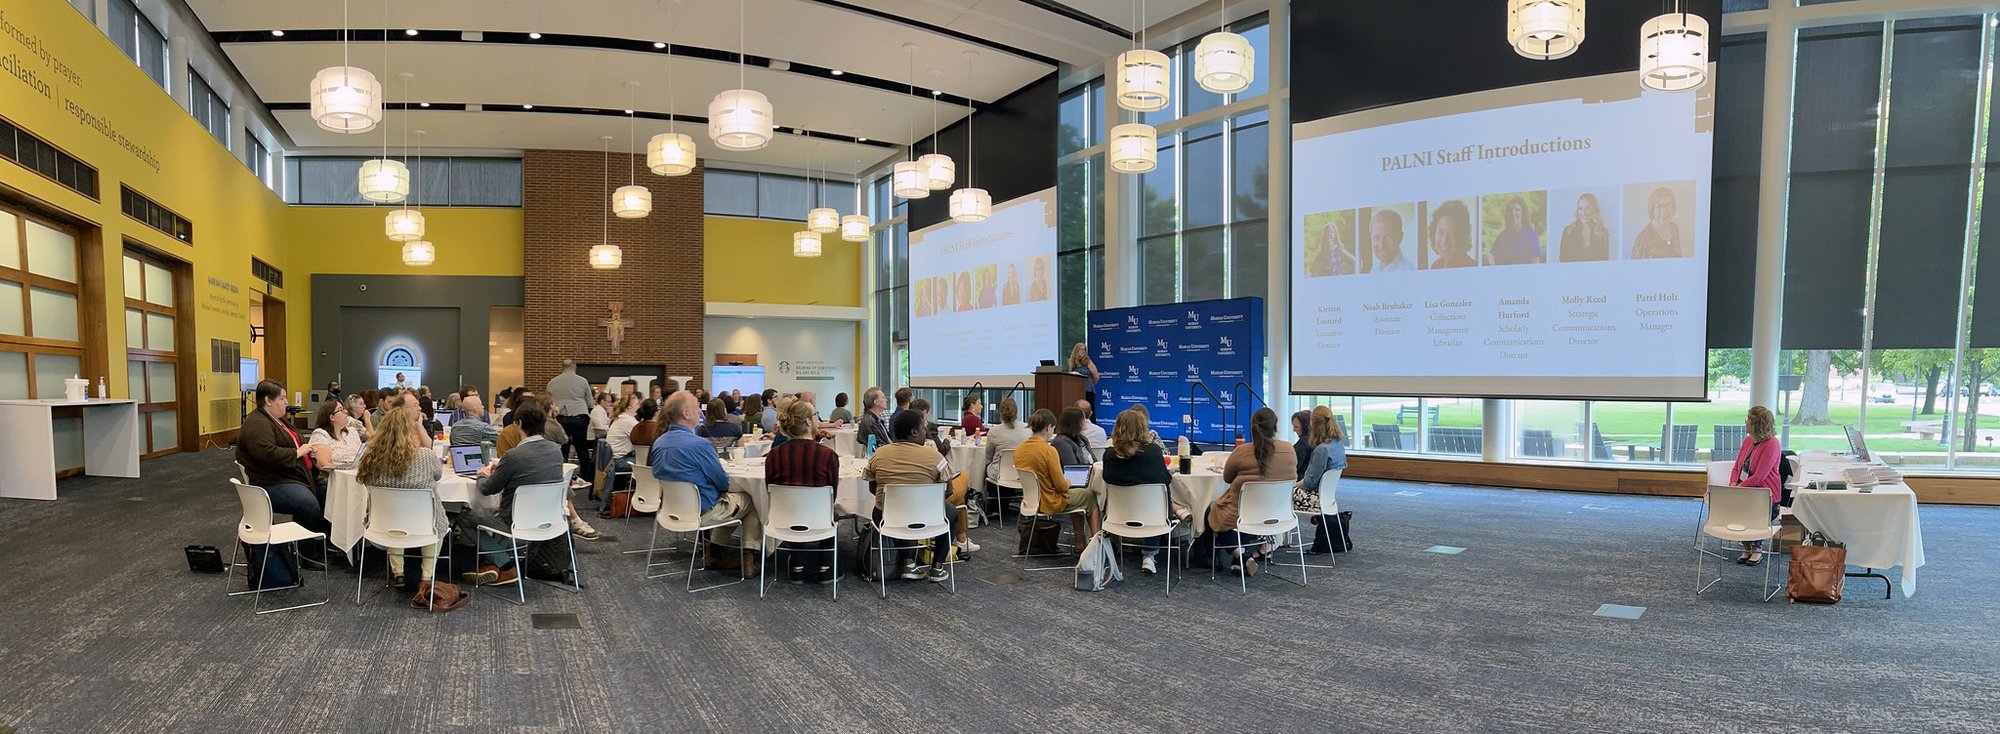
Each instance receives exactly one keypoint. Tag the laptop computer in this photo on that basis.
(467, 460)
(1856, 444)
(1077, 475)
(445, 417)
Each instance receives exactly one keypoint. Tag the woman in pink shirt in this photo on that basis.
(1757, 466)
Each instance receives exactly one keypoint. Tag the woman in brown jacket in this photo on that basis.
(1264, 458)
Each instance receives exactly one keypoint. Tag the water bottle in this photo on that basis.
(1181, 447)
(871, 444)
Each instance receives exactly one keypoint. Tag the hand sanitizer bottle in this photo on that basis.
(101, 394)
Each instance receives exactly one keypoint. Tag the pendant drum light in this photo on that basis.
(419, 253)
(740, 118)
(382, 180)
(1673, 52)
(970, 204)
(670, 153)
(345, 98)
(407, 224)
(631, 201)
(805, 244)
(1545, 29)
(1144, 78)
(1224, 62)
(1134, 148)
(939, 170)
(907, 178)
(604, 255)
(854, 228)
(824, 220)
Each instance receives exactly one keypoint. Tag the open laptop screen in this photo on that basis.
(467, 459)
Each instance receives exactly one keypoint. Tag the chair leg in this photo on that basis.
(834, 570)
(761, 566)
(1170, 562)
(881, 565)
(230, 570)
(692, 557)
(575, 574)
(360, 570)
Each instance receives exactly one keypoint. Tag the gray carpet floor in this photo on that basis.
(103, 629)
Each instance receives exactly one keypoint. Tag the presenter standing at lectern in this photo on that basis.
(1079, 362)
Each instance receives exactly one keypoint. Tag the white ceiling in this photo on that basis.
(808, 32)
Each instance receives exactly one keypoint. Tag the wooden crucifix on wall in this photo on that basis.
(615, 327)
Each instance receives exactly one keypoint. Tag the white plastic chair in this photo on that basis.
(1264, 509)
(255, 528)
(1329, 508)
(680, 512)
(1006, 477)
(912, 512)
(1139, 512)
(1097, 454)
(645, 500)
(1031, 510)
(799, 515)
(398, 520)
(538, 517)
(1736, 514)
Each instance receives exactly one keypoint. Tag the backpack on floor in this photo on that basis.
(1040, 537)
(271, 566)
(867, 563)
(546, 560)
(1098, 566)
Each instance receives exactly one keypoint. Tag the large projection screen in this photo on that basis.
(1546, 240)
(983, 296)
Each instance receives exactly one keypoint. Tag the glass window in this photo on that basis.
(51, 252)
(160, 332)
(159, 286)
(160, 382)
(166, 429)
(1250, 164)
(1158, 206)
(1627, 431)
(1453, 426)
(51, 370)
(1202, 197)
(1158, 266)
(1260, 42)
(1249, 249)
(135, 329)
(13, 319)
(1193, 99)
(152, 46)
(13, 376)
(1203, 265)
(208, 108)
(135, 376)
(52, 314)
(730, 193)
(1391, 423)
(1072, 123)
(1073, 207)
(257, 157)
(123, 26)
(10, 241)
(478, 181)
(1549, 429)
(783, 197)
(840, 196)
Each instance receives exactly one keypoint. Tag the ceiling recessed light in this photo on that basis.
(527, 107)
(409, 31)
(423, 104)
(657, 44)
(862, 140)
(936, 92)
(278, 33)
(837, 72)
(628, 112)
(535, 36)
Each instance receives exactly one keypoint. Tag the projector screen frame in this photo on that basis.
(1057, 351)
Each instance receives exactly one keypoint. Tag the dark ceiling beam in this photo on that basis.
(696, 120)
(938, 29)
(562, 40)
(1081, 17)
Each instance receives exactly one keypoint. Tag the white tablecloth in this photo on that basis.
(843, 442)
(1880, 527)
(970, 459)
(1196, 489)
(347, 503)
(852, 497)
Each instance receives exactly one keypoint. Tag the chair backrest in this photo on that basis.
(241, 473)
(254, 527)
(801, 509)
(1265, 505)
(1031, 491)
(912, 505)
(1136, 506)
(641, 455)
(1008, 472)
(1097, 454)
(538, 511)
(395, 514)
(680, 505)
(1749, 507)
(569, 471)
(1329, 485)
(645, 492)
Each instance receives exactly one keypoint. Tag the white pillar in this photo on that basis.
(1773, 171)
(1497, 416)
(1278, 233)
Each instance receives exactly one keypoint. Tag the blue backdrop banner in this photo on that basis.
(1155, 356)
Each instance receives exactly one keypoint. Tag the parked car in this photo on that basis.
(1882, 392)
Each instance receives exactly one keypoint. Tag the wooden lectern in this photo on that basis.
(1056, 389)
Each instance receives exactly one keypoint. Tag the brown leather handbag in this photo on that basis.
(1818, 568)
(449, 597)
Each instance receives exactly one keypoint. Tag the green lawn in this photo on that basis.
(1639, 423)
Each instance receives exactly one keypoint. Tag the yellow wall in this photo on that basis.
(745, 259)
(350, 240)
(177, 164)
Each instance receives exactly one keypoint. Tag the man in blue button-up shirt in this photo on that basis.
(679, 455)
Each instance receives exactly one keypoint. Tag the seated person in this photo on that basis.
(679, 455)
(275, 458)
(1038, 457)
(802, 463)
(339, 432)
(1133, 461)
(552, 431)
(536, 460)
(1264, 458)
(720, 424)
(1070, 444)
(1328, 454)
(912, 460)
(1757, 461)
(648, 427)
(969, 410)
(399, 461)
(840, 414)
(1093, 434)
(471, 428)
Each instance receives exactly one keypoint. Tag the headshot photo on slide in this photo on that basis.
(1329, 245)
(1448, 229)
(1587, 219)
(1388, 238)
(1010, 289)
(1512, 227)
(922, 307)
(1659, 220)
(1038, 285)
(961, 297)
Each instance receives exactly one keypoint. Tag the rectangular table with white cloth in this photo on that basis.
(1880, 527)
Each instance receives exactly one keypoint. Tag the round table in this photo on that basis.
(970, 458)
(347, 503)
(852, 497)
(1196, 489)
(844, 443)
